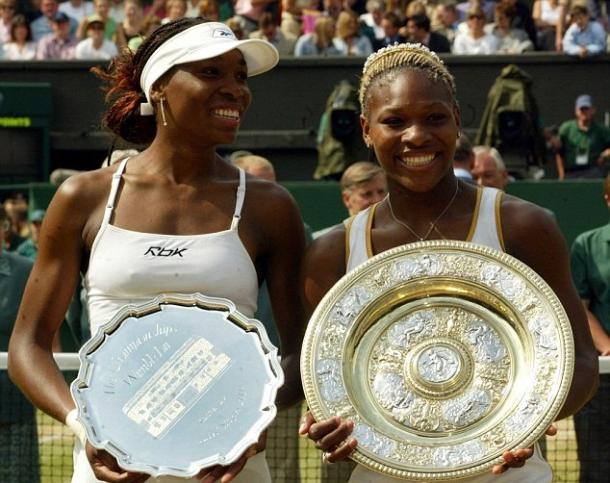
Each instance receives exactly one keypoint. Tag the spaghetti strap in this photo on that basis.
(241, 195)
(114, 188)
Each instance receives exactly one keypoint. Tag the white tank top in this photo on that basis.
(128, 267)
(485, 229)
(548, 13)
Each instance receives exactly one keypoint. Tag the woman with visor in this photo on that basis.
(183, 92)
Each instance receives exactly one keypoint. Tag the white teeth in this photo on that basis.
(417, 160)
(227, 113)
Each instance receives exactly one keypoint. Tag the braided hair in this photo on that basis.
(384, 64)
(123, 91)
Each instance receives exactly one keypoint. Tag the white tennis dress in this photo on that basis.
(486, 229)
(128, 267)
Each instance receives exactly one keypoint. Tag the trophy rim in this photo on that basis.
(232, 315)
(349, 280)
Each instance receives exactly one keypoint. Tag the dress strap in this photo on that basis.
(241, 195)
(114, 188)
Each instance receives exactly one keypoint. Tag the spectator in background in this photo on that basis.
(583, 145)
(60, 44)
(174, 10)
(8, 9)
(77, 9)
(373, 17)
(102, 8)
(132, 25)
(43, 25)
(464, 8)
(475, 41)
(362, 184)
(268, 30)
(151, 23)
(235, 24)
(21, 46)
(29, 248)
(95, 46)
(584, 37)
(418, 27)
(523, 18)
(291, 23)
(18, 434)
(16, 209)
(209, 9)
(463, 159)
(116, 10)
(318, 42)
(192, 8)
(250, 11)
(391, 25)
(511, 40)
(591, 273)
(348, 40)
(489, 169)
(446, 21)
(549, 18)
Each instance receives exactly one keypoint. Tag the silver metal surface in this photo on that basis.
(178, 384)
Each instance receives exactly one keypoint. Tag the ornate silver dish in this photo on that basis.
(178, 384)
(445, 354)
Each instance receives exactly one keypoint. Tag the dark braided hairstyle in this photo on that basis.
(123, 91)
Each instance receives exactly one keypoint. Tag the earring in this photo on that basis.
(459, 134)
(163, 111)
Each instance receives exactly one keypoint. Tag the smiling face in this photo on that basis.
(206, 100)
(412, 123)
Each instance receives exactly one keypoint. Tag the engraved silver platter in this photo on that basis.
(445, 354)
(178, 384)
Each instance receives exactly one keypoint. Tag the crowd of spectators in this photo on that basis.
(98, 29)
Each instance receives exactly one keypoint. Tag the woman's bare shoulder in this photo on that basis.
(324, 265)
(528, 228)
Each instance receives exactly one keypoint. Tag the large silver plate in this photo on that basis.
(445, 354)
(177, 384)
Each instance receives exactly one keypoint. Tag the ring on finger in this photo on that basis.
(325, 459)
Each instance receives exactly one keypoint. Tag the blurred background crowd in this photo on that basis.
(79, 29)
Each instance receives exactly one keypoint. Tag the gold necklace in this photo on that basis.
(432, 224)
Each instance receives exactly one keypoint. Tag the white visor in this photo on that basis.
(204, 41)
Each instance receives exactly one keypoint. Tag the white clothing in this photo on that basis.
(78, 13)
(13, 51)
(214, 264)
(484, 230)
(128, 267)
(367, 18)
(86, 50)
(466, 44)
(548, 13)
(5, 32)
(117, 12)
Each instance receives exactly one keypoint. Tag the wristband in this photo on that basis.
(75, 426)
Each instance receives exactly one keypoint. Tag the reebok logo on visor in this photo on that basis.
(223, 33)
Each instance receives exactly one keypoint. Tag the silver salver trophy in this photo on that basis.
(178, 384)
(445, 354)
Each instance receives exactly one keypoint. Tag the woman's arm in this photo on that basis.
(533, 237)
(284, 249)
(45, 301)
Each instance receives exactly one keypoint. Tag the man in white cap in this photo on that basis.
(583, 146)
